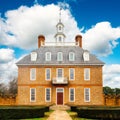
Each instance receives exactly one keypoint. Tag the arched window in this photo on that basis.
(71, 56)
(48, 56)
(33, 56)
(59, 56)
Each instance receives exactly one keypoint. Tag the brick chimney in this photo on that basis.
(78, 40)
(41, 40)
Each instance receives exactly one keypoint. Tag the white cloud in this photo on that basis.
(8, 69)
(23, 25)
(111, 75)
(101, 38)
(6, 55)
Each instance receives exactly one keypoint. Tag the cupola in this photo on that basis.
(60, 36)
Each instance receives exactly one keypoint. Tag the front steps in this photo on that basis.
(59, 107)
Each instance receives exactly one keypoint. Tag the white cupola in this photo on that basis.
(60, 36)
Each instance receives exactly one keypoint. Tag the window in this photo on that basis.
(87, 94)
(33, 56)
(86, 55)
(87, 74)
(48, 56)
(71, 56)
(59, 56)
(60, 39)
(60, 28)
(71, 94)
(71, 73)
(32, 94)
(33, 74)
(60, 73)
(48, 73)
(48, 94)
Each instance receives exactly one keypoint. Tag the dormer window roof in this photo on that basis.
(86, 55)
(33, 56)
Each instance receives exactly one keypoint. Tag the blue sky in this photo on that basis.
(98, 21)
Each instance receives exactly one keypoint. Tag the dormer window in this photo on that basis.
(48, 56)
(33, 56)
(59, 56)
(86, 56)
(71, 56)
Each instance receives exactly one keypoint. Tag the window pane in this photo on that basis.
(60, 73)
(48, 74)
(48, 56)
(72, 94)
(87, 74)
(87, 94)
(59, 56)
(32, 94)
(48, 94)
(71, 56)
(71, 74)
(33, 74)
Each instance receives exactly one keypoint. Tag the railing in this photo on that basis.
(60, 44)
(61, 80)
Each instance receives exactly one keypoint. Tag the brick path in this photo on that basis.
(59, 115)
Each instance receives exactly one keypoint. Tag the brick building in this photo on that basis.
(60, 73)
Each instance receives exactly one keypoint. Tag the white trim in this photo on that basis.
(85, 95)
(73, 59)
(62, 72)
(30, 95)
(31, 74)
(57, 92)
(73, 73)
(59, 53)
(70, 94)
(46, 74)
(81, 64)
(45, 95)
(85, 72)
(46, 58)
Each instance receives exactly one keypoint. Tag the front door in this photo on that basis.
(59, 96)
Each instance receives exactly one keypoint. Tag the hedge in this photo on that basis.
(20, 112)
(97, 112)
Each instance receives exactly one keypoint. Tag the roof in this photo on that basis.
(54, 50)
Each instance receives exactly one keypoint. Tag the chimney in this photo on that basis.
(78, 40)
(41, 40)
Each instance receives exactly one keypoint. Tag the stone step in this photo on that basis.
(59, 107)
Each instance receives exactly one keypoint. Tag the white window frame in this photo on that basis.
(70, 95)
(85, 98)
(59, 55)
(46, 56)
(46, 74)
(87, 71)
(73, 56)
(31, 74)
(62, 72)
(73, 73)
(46, 95)
(31, 95)
(33, 56)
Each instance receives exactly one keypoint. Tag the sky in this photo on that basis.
(98, 21)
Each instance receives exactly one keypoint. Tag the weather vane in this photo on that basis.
(60, 14)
